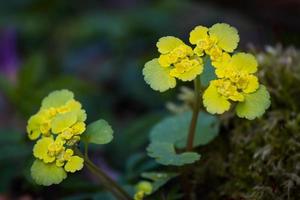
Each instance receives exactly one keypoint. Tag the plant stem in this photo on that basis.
(196, 108)
(107, 182)
(190, 141)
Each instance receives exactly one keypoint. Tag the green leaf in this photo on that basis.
(207, 129)
(172, 133)
(158, 77)
(208, 73)
(159, 178)
(165, 154)
(98, 132)
(255, 104)
(47, 174)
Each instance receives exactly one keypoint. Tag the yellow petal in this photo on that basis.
(198, 33)
(221, 72)
(33, 127)
(164, 60)
(81, 115)
(245, 62)
(222, 62)
(167, 44)
(40, 149)
(63, 121)
(237, 96)
(78, 128)
(74, 164)
(227, 36)
(191, 74)
(198, 51)
(253, 84)
(37, 124)
(73, 105)
(158, 77)
(213, 101)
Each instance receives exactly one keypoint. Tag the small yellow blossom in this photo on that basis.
(215, 41)
(176, 61)
(40, 150)
(78, 128)
(74, 163)
(57, 127)
(179, 58)
(143, 188)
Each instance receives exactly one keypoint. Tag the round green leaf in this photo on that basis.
(98, 132)
(174, 129)
(47, 174)
(172, 132)
(165, 154)
(255, 104)
(208, 73)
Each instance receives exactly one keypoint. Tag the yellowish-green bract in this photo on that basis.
(235, 79)
(56, 127)
(143, 188)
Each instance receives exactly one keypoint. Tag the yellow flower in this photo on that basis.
(236, 83)
(214, 41)
(78, 128)
(57, 128)
(75, 163)
(39, 124)
(40, 150)
(139, 195)
(143, 188)
(176, 60)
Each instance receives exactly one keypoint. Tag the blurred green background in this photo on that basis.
(97, 49)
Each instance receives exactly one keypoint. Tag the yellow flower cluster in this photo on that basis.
(57, 127)
(235, 80)
(179, 57)
(178, 60)
(216, 41)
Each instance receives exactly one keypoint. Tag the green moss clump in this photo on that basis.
(259, 159)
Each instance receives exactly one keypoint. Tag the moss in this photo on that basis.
(259, 159)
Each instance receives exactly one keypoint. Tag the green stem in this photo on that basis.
(107, 182)
(196, 108)
(86, 150)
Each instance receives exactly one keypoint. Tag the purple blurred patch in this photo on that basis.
(9, 61)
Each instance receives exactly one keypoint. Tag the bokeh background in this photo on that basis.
(97, 49)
